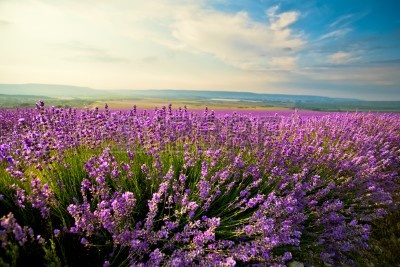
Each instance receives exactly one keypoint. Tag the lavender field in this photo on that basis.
(171, 187)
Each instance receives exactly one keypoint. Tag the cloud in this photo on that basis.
(194, 27)
(336, 34)
(79, 51)
(347, 19)
(4, 23)
(284, 63)
(238, 40)
(344, 19)
(341, 57)
(388, 61)
(341, 26)
(280, 21)
(149, 59)
(382, 76)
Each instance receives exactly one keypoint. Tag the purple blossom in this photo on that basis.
(56, 232)
(84, 241)
(11, 227)
(206, 188)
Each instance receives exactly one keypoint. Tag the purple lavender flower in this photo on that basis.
(246, 185)
(11, 226)
(84, 241)
(56, 232)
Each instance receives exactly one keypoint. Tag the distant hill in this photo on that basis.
(13, 95)
(53, 90)
(226, 95)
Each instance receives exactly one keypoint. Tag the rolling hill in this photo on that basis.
(15, 95)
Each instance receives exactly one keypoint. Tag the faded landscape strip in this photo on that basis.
(23, 95)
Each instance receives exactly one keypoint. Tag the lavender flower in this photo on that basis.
(200, 188)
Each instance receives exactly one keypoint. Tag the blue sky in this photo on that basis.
(332, 48)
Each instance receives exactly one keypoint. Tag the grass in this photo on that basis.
(385, 239)
(384, 242)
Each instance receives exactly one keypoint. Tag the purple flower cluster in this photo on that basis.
(11, 229)
(41, 197)
(173, 188)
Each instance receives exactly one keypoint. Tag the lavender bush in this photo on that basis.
(175, 188)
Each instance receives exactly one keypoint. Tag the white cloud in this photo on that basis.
(341, 57)
(285, 63)
(344, 19)
(341, 26)
(189, 26)
(146, 44)
(83, 52)
(336, 34)
(238, 40)
(356, 76)
(280, 21)
(4, 23)
(183, 26)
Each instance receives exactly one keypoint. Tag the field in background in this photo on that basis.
(13, 96)
(149, 103)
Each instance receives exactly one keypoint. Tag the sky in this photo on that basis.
(335, 48)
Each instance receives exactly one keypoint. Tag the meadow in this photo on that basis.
(172, 187)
